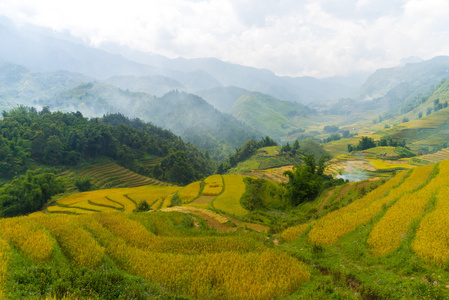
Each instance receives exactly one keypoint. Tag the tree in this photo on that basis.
(322, 165)
(28, 193)
(330, 128)
(309, 160)
(303, 185)
(286, 148)
(83, 184)
(53, 151)
(295, 148)
(365, 143)
(142, 206)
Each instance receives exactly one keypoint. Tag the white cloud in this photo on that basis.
(290, 37)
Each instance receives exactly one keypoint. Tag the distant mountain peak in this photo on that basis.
(411, 60)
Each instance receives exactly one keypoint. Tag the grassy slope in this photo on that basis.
(266, 114)
(264, 158)
(430, 131)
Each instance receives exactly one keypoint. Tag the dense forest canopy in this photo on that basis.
(29, 137)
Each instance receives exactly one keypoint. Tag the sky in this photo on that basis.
(319, 38)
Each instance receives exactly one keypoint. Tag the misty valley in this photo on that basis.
(128, 175)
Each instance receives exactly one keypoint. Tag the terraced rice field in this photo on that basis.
(402, 202)
(274, 174)
(229, 200)
(112, 175)
(214, 185)
(113, 200)
(190, 192)
(436, 157)
(176, 259)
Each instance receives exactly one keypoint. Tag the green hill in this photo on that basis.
(269, 115)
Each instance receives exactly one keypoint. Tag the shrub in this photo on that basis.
(83, 184)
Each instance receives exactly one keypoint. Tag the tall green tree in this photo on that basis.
(28, 193)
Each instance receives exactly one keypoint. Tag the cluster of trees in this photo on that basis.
(381, 118)
(293, 149)
(332, 137)
(368, 142)
(307, 181)
(437, 105)
(28, 137)
(330, 129)
(28, 193)
(335, 133)
(246, 151)
(364, 143)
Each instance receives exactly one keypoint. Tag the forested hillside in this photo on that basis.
(30, 139)
(186, 115)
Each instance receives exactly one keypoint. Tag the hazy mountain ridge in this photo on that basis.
(424, 73)
(19, 85)
(184, 114)
(44, 53)
(222, 98)
(154, 85)
(269, 115)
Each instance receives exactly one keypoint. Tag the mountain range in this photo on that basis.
(215, 105)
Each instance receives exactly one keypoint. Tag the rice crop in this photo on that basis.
(214, 185)
(190, 192)
(29, 237)
(294, 232)
(229, 200)
(392, 228)
(431, 242)
(78, 245)
(331, 227)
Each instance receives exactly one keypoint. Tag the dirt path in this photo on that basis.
(329, 194)
(345, 189)
(254, 226)
(214, 223)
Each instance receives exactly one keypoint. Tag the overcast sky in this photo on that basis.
(317, 38)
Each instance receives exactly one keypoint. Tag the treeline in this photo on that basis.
(29, 137)
(249, 148)
(368, 142)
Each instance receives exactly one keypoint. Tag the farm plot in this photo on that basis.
(190, 192)
(182, 260)
(334, 225)
(113, 200)
(436, 157)
(392, 228)
(229, 200)
(214, 185)
(431, 240)
(111, 175)
(153, 194)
